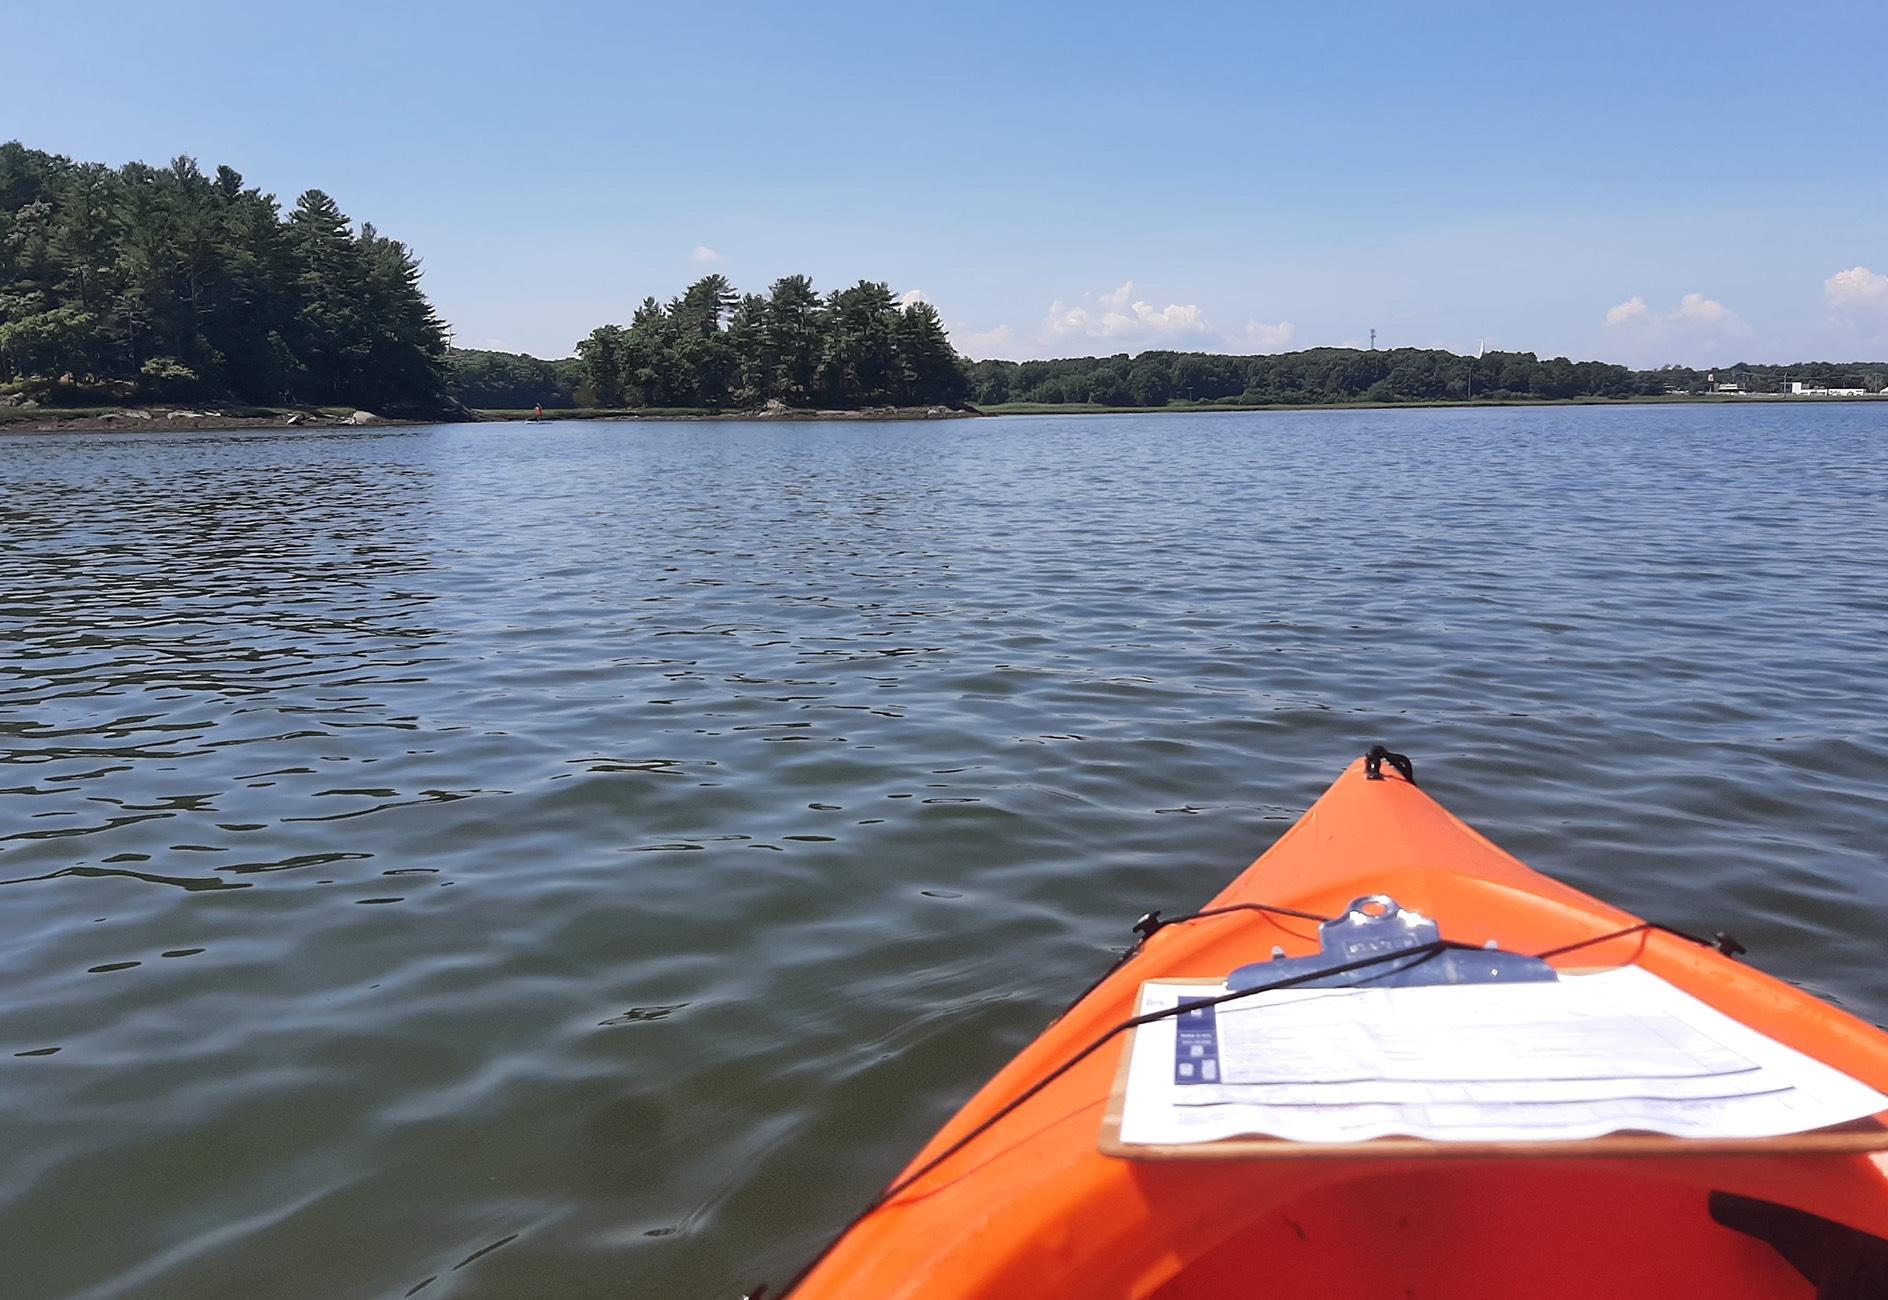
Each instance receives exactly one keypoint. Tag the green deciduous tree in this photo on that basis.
(602, 354)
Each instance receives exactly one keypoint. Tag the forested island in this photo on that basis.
(138, 285)
(143, 283)
(713, 347)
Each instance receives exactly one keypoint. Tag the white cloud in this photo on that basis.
(1114, 318)
(705, 255)
(1696, 309)
(982, 345)
(1629, 312)
(1857, 289)
(1694, 315)
(1695, 328)
(1117, 321)
(910, 296)
(1260, 337)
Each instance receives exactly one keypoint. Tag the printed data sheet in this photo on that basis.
(1577, 1057)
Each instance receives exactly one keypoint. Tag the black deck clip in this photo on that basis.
(1378, 755)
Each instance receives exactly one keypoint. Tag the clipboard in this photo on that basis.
(1856, 1136)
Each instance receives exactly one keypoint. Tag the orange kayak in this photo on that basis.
(1017, 1196)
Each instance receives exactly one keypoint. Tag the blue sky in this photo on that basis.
(1644, 183)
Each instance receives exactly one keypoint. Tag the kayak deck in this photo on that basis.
(1033, 1206)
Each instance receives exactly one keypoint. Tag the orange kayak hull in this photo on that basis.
(1033, 1208)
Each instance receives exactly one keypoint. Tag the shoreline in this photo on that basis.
(148, 420)
(136, 419)
(493, 415)
(1511, 403)
(171, 419)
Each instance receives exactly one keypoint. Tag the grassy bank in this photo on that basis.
(717, 413)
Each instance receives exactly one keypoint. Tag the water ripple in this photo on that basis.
(596, 858)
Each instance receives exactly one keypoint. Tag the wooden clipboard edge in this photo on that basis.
(1852, 1138)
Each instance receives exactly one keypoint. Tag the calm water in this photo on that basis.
(587, 860)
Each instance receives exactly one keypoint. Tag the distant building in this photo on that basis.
(1798, 388)
(1727, 388)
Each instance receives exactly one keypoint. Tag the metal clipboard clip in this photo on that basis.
(1376, 924)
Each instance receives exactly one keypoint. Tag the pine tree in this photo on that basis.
(330, 329)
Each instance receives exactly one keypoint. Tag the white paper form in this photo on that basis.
(1573, 1058)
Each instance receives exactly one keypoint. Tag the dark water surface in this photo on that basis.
(587, 860)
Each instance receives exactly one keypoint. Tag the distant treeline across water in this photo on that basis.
(1326, 375)
(1316, 376)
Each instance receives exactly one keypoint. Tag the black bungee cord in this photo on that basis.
(1152, 922)
(1145, 929)
(1419, 953)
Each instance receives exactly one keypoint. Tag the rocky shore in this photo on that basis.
(53, 419)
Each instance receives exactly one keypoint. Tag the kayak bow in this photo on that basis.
(1030, 1205)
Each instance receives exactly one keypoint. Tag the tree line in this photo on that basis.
(144, 282)
(1312, 377)
(514, 381)
(713, 347)
(1319, 376)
